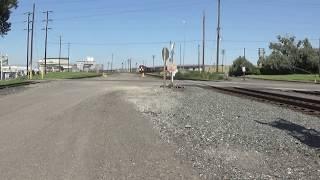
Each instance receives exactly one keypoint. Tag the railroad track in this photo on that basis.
(305, 105)
(18, 84)
(315, 93)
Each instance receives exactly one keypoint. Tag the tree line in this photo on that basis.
(288, 56)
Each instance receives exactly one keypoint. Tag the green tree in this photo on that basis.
(5, 10)
(290, 56)
(236, 68)
(308, 57)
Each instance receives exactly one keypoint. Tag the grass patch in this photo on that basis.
(202, 76)
(55, 75)
(68, 75)
(290, 77)
(11, 82)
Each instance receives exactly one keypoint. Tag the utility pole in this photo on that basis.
(184, 44)
(60, 55)
(260, 52)
(46, 40)
(218, 37)
(32, 32)
(203, 41)
(199, 58)
(244, 53)
(68, 57)
(111, 62)
(28, 41)
(1, 68)
(128, 65)
(154, 68)
(129, 69)
(319, 59)
(180, 56)
(223, 55)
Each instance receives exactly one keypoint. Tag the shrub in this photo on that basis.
(236, 68)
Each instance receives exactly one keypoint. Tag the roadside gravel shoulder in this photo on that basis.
(230, 137)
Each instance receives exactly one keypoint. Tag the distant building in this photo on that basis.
(89, 64)
(13, 71)
(53, 64)
(8, 71)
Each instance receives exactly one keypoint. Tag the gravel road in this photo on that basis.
(82, 129)
(230, 137)
(127, 127)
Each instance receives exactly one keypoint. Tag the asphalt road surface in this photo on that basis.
(81, 129)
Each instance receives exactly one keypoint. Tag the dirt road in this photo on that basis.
(82, 129)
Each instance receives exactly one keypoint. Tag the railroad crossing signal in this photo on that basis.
(172, 68)
(172, 51)
(165, 54)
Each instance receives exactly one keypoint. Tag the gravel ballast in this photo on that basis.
(230, 137)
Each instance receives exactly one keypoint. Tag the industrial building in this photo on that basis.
(89, 64)
(53, 64)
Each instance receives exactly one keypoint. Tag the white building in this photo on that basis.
(89, 64)
(53, 64)
(10, 71)
(13, 71)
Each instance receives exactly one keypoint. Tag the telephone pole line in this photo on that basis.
(154, 68)
(244, 53)
(199, 58)
(218, 37)
(46, 40)
(203, 41)
(184, 44)
(129, 66)
(180, 56)
(111, 62)
(319, 59)
(68, 57)
(223, 56)
(28, 41)
(32, 32)
(60, 55)
(122, 67)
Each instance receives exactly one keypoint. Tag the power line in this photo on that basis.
(158, 42)
(103, 14)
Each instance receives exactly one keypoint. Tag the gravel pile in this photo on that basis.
(231, 137)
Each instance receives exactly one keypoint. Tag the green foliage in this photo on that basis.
(289, 77)
(289, 56)
(68, 75)
(196, 75)
(236, 68)
(5, 11)
(10, 82)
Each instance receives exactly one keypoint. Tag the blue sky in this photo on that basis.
(141, 28)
